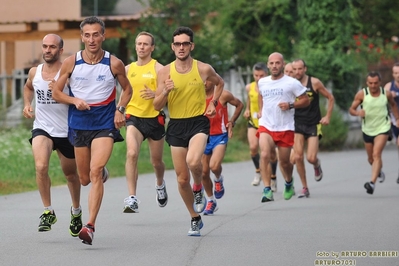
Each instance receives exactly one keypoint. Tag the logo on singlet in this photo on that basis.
(195, 82)
(100, 78)
(148, 75)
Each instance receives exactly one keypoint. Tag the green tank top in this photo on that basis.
(376, 120)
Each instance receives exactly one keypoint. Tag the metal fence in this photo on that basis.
(11, 97)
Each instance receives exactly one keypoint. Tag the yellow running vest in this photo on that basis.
(253, 104)
(188, 98)
(377, 119)
(138, 77)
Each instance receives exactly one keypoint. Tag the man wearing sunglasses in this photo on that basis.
(180, 84)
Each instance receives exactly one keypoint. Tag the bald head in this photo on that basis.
(52, 48)
(54, 38)
(276, 56)
(288, 70)
(275, 64)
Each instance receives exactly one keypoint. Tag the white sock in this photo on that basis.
(48, 208)
(212, 198)
(161, 186)
(76, 211)
(218, 178)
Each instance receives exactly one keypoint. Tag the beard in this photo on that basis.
(50, 58)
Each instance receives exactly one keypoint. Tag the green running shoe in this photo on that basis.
(267, 195)
(46, 220)
(289, 190)
(76, 224)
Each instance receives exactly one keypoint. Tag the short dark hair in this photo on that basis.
(260, 66)
(373, 74)
(396, 64)
(92, 20)
(184, 30)
(300, 60)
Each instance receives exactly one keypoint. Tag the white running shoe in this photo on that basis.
(131, 205)
(273, 184)
(381, 176)
(199, 201)
(256, 180)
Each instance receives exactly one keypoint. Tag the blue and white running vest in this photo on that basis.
(96, 85)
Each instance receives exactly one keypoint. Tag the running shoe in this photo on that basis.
(273, 184)
(318, 173)
(47, 219)
(211, 207)
(87, 234)
(369, 188)
(381, 176)
(105, 174)
(196, 225)
(304, 193)
(219, 188)
(76, 224)
(256, 180)
(131, 205)
(289, 190)
(162, 195)
(199, 201)
(267, 195)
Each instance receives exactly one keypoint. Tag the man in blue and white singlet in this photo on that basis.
(94, 119)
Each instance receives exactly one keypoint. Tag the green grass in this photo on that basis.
(18, 172)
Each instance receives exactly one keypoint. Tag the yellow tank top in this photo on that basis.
(138, 77)
(253, 103)
(188, 98)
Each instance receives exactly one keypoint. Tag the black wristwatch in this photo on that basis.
(291, 105)
(121, 109)
(215, 102)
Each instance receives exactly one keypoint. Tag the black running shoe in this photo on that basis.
(76, 224)
(46, 220)
(162, 196)
(369, 188)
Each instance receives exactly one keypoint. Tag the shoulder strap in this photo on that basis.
(366, 90)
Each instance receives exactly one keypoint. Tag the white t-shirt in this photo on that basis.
(284, 89)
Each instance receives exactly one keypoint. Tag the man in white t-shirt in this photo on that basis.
(279, 94)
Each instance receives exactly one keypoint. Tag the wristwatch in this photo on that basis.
(215, 102)
(291, 105)
(121, 109)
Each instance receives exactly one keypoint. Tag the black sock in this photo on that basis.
(255, 159)
(274, 168)
(196, 218)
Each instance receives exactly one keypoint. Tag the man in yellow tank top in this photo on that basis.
(180, 84)
(374, 102)
(144, 122)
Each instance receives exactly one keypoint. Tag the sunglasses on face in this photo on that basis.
(179, 44)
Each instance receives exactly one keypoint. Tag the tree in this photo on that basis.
(164, 16)
(324, 44)
(259, 28)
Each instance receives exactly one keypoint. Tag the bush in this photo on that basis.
(335, 134)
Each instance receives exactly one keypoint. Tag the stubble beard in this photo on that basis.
(52, 59)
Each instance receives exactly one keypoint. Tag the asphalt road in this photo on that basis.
(338, 219)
